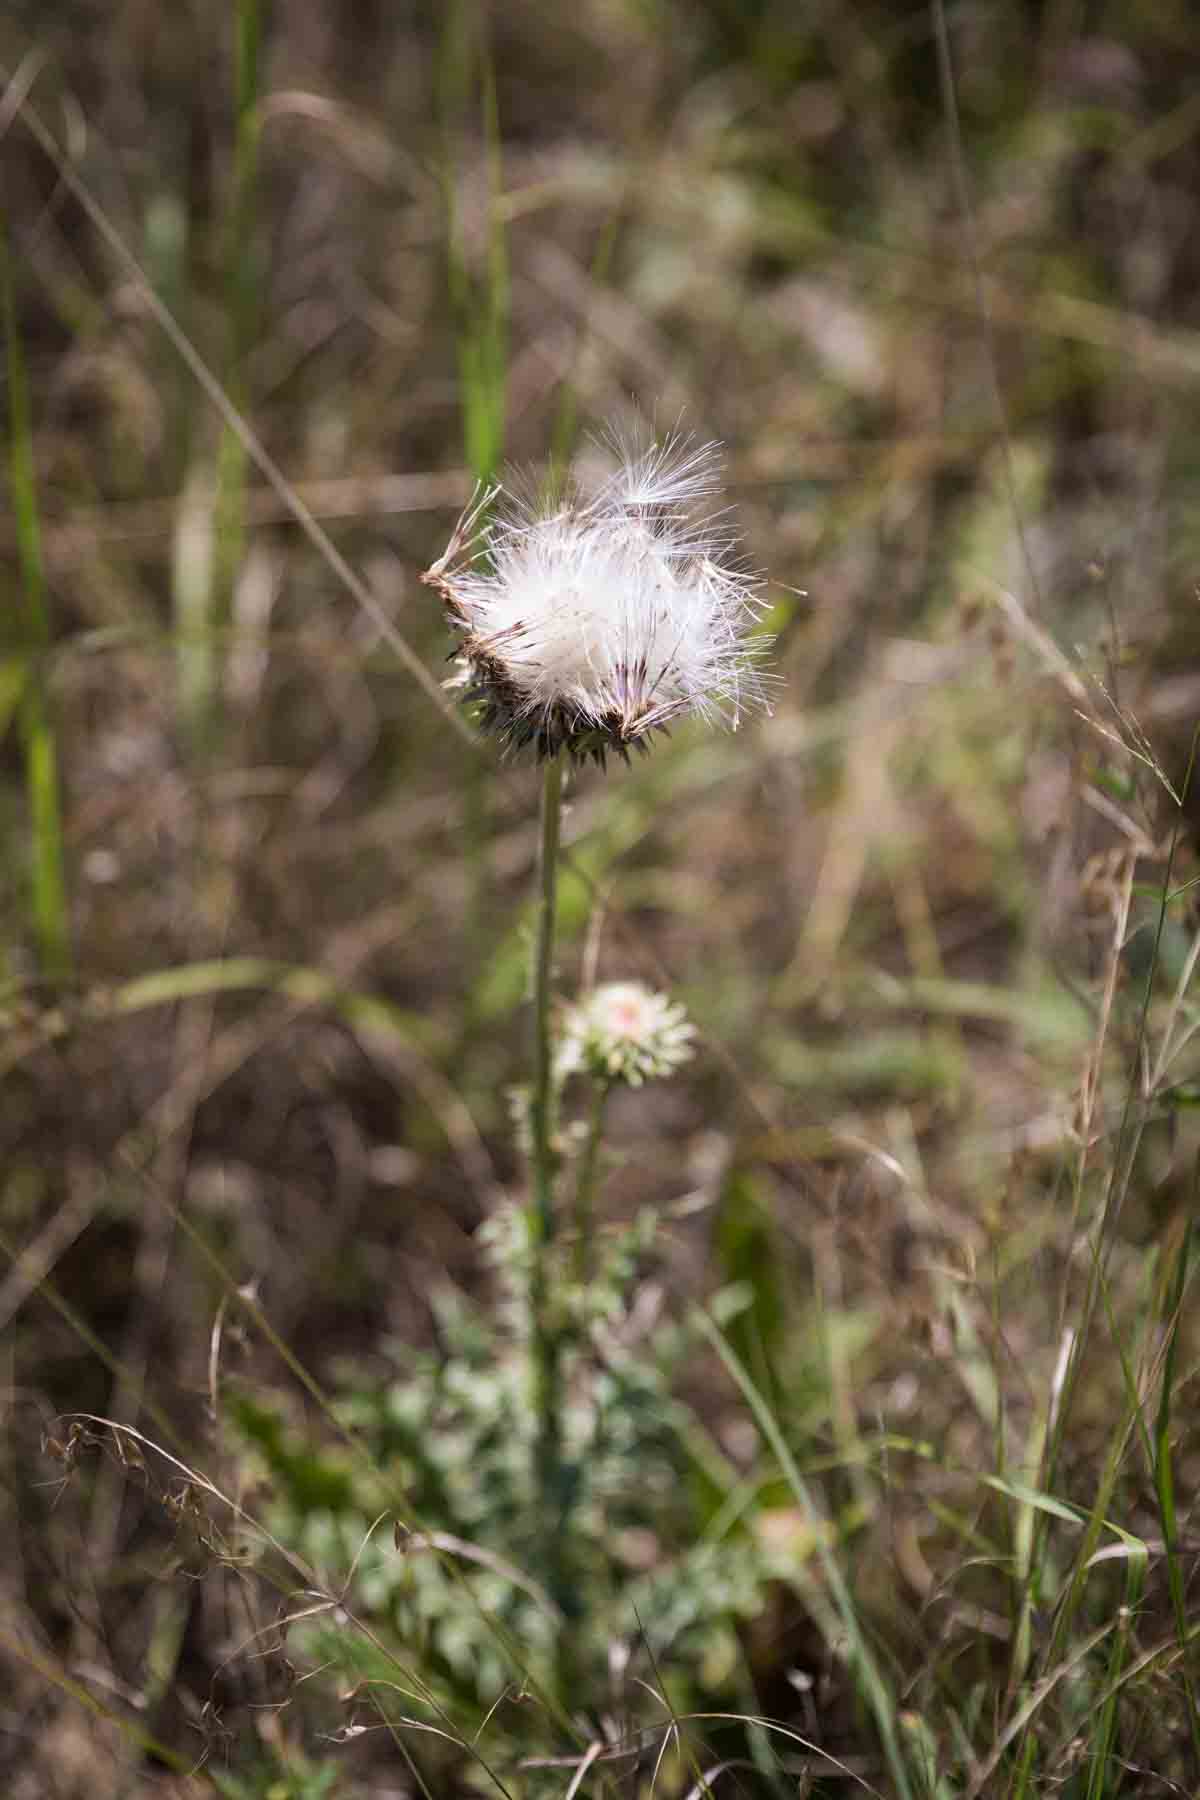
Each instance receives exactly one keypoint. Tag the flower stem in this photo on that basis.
(551, 1477)
(542, 1101)
(585, 1186)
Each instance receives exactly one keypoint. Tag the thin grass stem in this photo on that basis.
(1164, 1478)
(869, 1677)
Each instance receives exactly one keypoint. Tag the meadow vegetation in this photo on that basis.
(808, 1406)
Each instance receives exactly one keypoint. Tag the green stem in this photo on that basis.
(542, 1102)
(551, 1478)
(585, 1187)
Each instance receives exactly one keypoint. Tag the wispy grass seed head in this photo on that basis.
(590, 622)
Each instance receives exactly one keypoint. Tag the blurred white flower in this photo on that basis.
(588, 624)
(623, 1031)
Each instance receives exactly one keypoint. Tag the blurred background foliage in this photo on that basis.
(266, 911)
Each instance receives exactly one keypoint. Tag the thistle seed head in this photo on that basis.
(589, 623)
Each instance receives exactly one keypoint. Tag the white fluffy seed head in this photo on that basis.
(588, 624)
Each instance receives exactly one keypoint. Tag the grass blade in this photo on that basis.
(869, 1677)
(1164, 1479)
(48, 887)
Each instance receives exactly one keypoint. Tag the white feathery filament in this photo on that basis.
(592, 623)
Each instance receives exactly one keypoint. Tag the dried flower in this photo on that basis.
(623, 1031)
(589, 624)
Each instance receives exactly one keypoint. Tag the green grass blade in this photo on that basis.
(481, 307)
(481, 314)
(1106, 1719)
(1164, 1480)
(204, 589)
(869, 1677)
(48, 886)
